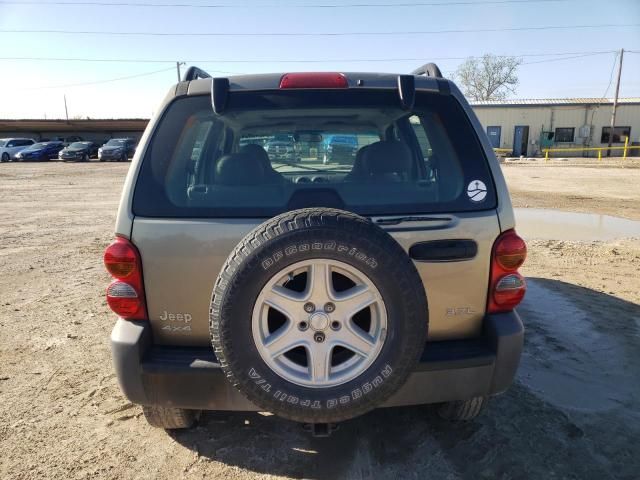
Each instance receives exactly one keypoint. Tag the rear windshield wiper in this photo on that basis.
(397, 220)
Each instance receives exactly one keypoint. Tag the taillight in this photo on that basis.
(314, 80)
(125, 295)
(507, 287)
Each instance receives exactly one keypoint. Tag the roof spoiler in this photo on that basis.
(407, 91)
(219, 94)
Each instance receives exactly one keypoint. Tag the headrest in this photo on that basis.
(258, 152)
(239, 169)
(359, 168)
(388, 156)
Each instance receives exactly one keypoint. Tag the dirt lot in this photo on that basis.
(609, 186)
(574, 411)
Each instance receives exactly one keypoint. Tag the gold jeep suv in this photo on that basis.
(314, 290)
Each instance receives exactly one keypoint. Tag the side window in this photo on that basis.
(421, 136)
(11, 143)
(564, 135)
(202, 133)
(426, 152)
(618, 134)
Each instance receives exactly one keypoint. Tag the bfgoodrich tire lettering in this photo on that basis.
(300, 236)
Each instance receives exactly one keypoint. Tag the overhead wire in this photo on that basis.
(280, 5)
(97, 82)
(305, 60)
(315, 34)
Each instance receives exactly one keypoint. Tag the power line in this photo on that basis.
(328, 60)
(280, 5)
(319, 34)
(564, 58)
(306, 60)
(101, 81)
(613, 68)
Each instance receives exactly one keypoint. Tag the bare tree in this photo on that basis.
(488, 77)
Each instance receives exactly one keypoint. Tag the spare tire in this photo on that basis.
(318, 316)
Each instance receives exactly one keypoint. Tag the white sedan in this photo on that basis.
(9, 147)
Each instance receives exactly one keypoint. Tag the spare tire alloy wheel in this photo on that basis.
(319, 319)
(318, 316)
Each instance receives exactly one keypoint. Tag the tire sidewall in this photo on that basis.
(406, 329)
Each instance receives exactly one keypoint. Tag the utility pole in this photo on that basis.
(66, 112)
(615, 104)
(178, 69)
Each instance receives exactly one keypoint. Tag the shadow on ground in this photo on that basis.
(572, 413)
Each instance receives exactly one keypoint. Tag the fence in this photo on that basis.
(625, 149)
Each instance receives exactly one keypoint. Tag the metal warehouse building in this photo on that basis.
(526, 127)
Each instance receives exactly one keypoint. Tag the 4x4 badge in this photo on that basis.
(477, 190)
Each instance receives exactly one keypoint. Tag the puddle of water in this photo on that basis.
(568, 361)
(546, 224)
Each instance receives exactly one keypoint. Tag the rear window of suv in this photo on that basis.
(266, 154)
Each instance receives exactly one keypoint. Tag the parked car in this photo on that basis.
(40, 151)
(340, 149)
(9, 147)
(66, 140)
(119, 149)
(319, 313)
(79, 151)
(282, 147)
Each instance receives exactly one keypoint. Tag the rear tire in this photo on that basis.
(170, 418)
(5, 157)
(463, 410)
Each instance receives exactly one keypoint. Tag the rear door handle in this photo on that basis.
(443, 250)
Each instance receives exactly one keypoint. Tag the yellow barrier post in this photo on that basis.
(546, 155)
(626, 144)
(599, 154)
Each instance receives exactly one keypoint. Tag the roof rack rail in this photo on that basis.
(193, 73)
(428, 69)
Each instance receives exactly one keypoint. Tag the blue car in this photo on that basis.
(41, 151)
(340, 149)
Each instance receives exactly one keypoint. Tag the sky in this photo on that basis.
(36, 88)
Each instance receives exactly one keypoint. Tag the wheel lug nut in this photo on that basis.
(303, 325)
(335, 325)
(329, 307)
(309, 307)
(318, 337)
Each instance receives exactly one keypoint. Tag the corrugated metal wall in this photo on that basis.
(548, 118)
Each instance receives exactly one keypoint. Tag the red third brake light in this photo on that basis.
(125, 295)
(314, 80)
(507, 287)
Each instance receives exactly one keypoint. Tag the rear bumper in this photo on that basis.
(192, 378)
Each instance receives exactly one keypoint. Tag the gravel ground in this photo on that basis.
(573, 412)
(609, 186)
